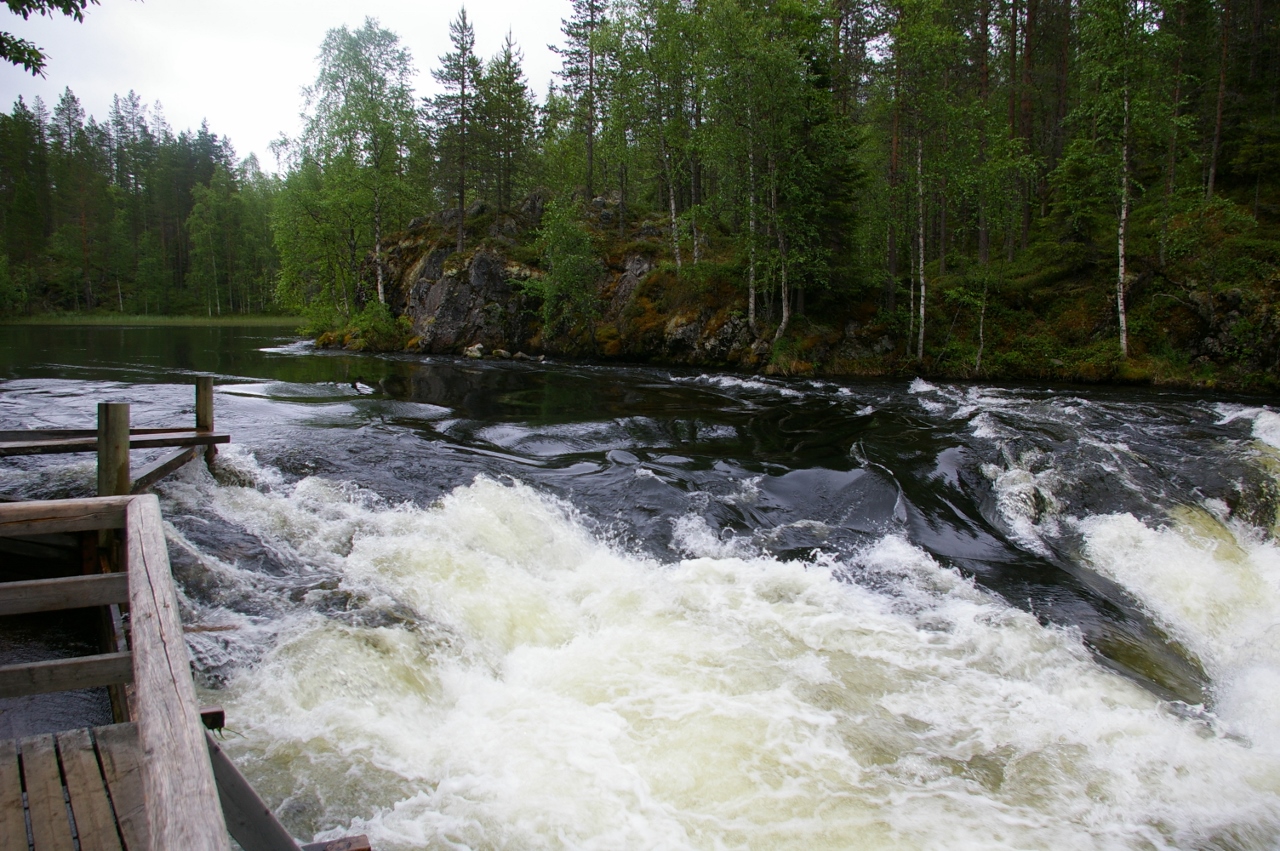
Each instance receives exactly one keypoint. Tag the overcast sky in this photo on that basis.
(241, 64)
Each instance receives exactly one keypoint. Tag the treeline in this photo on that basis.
(901, 161)
(125, 216)
(855, 150)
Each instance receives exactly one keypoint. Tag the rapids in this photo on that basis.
(459, 604)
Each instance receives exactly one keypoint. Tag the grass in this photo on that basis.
(260, 321)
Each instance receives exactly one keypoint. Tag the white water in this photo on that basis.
(540, 688)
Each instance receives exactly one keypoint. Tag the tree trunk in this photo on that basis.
(1124, 224)
(751, 230)
(785, 292)
(982, 318)
(984, 90)
(1025, 117)
(920, 232)
(671, 203)
(1171, 161)
(1222, 96)
(377, 247)
(891, 284)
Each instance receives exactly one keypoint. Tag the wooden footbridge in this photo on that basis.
(155, 780)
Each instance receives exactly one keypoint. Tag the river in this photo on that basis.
(462, 604)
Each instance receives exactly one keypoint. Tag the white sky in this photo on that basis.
(241, 64)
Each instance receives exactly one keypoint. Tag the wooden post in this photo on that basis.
(113, 449)
(204, 414)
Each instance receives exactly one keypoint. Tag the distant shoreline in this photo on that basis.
(255, 320)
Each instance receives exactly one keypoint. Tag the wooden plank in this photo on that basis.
(59, 446)
(113, 449)
(50, 824)
(68, 592)
(103, 669)
(121, 756)
(13, 824)
(48, 516)
(249, 820)
(204, 414)
(29, 434)
(162, 467)
(90, 807)
(182, 798)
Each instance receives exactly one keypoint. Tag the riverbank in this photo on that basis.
(602, 285)
(251, 320)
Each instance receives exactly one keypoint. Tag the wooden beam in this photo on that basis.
(57, 446)
(249, 820)
(44, 517)
(163, 466)
(113, 449)
(27, 434)
(70, 592)
(182, 799)
(204, 415)
(103, 669)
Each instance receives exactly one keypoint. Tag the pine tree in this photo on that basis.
(455, 110)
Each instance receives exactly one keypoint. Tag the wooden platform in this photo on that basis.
(80, 787)
(84, 789)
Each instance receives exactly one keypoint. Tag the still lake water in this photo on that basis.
(460, 604)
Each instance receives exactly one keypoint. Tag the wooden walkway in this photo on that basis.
(155, 781)
(81, 787)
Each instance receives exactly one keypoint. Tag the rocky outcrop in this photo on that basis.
(478, 303)
(456, 301)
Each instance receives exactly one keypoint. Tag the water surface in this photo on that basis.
(491, 604)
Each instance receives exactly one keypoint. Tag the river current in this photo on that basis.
(461, 604)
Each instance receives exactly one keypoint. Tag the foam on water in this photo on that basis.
(1215, 586)
(542, 689)
(1266, 422)
(733, 382)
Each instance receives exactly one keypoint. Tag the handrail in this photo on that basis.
(182, 806)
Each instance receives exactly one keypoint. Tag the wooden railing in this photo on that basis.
(113, 438)
(182, 803)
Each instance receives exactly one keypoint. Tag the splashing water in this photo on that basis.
(541, 688)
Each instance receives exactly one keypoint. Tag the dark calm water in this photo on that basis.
(489, 604)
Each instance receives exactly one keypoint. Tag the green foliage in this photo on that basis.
(571, 268)
(19, 51)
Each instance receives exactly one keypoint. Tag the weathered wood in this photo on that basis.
(69, 592)
(159, 440)
(13, 825)
(90, 807)
(28, 434)
(103, 669)
(182, 798)
(249, 820)
(213, 717)
(121, 756)
(161, 467)
(113, 449)
(50, 826)
(42, 517)
(204, 414)
(360, 842)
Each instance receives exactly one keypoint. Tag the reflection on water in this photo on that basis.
(492, 604)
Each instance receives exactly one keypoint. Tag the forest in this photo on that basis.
(990, 184)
